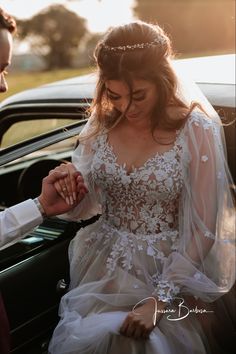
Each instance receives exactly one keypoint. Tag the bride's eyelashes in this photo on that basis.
(139, 98)
(116, 98)
(112, 97)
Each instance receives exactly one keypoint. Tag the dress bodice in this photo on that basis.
(144, 201)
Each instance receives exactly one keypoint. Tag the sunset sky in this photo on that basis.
(100, 14)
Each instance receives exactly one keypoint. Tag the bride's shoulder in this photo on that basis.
(199, 119)
(193, 119)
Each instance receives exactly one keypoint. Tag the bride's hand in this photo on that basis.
(72, 187)
(139, 323)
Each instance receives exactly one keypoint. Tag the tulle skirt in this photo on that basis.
(89, 325)
(99, 300)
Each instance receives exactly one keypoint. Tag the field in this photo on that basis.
(22, 81)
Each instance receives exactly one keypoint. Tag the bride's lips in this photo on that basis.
(132, 115)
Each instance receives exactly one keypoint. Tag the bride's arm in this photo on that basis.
(87, 199)
(204, 264)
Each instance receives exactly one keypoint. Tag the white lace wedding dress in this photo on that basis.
(162, 232)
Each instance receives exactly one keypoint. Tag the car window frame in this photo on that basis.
(38, 142)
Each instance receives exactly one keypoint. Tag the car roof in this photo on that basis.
(215, 69)
(77, 88)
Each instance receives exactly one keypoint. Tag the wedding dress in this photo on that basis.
(166, 229)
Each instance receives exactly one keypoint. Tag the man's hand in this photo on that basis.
(51, 200)
(71, 188)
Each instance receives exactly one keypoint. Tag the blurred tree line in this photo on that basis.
(55, 34)
(196, 27)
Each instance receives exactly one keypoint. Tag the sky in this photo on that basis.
(100, 14)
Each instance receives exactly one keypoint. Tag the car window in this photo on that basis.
(24, 175)
(24, 130)
(60, 150)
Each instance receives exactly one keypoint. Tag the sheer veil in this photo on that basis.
(207, 210)
(205, 264)
(189, 92)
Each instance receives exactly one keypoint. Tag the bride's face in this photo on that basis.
(143, 98)
(5, 56)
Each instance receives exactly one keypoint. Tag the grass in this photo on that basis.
(22, 81)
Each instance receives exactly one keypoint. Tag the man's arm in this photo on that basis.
(23, 217)
(17, 220)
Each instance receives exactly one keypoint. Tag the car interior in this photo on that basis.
(34, 271)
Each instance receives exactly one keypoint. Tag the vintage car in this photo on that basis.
(38, 130)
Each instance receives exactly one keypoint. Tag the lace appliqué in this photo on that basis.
(140, 207)
(128, 244)
(200, 119)
(145, 200)
(166, 291)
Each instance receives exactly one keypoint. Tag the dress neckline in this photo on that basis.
(152, 157)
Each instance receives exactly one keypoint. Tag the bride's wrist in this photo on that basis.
(161, 304)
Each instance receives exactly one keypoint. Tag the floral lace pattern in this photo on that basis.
(125, 245)
(165, 291)
(139, 209)
(145, 201)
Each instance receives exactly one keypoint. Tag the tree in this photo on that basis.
(55, 33)
(195, 26)
(90, 44)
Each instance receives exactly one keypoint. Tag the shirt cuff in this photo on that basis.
(27, 212)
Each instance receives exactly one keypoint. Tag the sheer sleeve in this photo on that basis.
(204, 264)
(82, 159)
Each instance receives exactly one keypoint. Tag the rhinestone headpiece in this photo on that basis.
(129, 47)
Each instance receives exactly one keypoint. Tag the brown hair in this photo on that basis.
(7, 21)
(149, 61)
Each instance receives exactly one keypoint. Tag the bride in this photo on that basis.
(154, 167)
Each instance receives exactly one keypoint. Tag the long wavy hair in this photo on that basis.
(7, 21)
(151, 63)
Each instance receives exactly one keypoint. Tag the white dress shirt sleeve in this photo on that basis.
(18, 220)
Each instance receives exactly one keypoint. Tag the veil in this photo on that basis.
(188, 91)
(207, 216)
(203, 269)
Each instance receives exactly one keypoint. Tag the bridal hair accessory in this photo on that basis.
(123, 48)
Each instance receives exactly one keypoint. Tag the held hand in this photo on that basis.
(71, 188)
(140, 322)
(51, 201)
